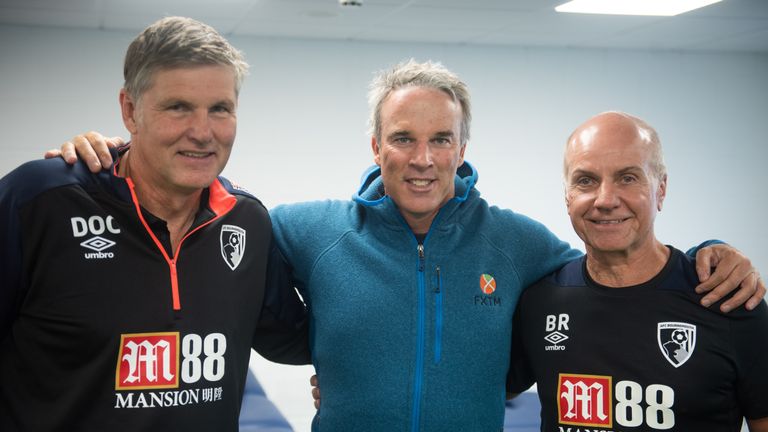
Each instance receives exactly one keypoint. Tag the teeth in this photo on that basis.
(194, 155)
(608, 222)
(420, 182)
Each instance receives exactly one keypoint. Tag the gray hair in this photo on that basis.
(177, 42)
(414, 74)
(647, 133)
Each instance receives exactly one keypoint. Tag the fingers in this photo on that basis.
(316, 397)
(727, 262)
(759, 294)
(745, 293)
(52, 153)
(92, 148)
(87, 146)
(315, 391)
(705, 260)
(104, 156)
(720, 284)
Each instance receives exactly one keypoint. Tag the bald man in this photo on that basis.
(617, 340)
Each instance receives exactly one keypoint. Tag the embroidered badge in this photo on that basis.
(232, 245)
(677, 341)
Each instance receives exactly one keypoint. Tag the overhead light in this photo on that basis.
(634, 7)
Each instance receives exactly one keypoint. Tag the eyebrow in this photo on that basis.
(444, 134)
(398, 134)
(625, 170)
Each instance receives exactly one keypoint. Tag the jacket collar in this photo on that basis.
(371, 192)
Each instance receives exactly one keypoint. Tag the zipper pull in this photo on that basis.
(420, 248)
(439, 280)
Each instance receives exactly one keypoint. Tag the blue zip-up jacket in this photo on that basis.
(410, 338)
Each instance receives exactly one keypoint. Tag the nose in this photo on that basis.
(200, 130)
(607, 196)
(422, 154)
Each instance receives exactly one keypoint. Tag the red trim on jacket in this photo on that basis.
(219, 200)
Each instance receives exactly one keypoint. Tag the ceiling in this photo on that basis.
(732, 25)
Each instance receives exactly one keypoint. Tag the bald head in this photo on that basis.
(620, 130)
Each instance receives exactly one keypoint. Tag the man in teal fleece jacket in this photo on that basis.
(412, 284)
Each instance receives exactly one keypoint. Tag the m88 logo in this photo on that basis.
(592, 400)
(154, 360)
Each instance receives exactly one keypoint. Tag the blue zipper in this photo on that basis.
(438, 316)
(419, 346)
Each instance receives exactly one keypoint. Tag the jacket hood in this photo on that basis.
(371, 191)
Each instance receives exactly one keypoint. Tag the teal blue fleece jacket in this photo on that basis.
(409, 338)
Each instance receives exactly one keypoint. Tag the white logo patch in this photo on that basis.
(95, 226)
(232, 245)
(97, 243)
(676, 341)
(554, 324)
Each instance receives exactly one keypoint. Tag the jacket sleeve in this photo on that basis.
(520, 375)
(10, 256)
(282, 333)
(537, 250)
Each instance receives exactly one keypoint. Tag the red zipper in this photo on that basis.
(220, 205)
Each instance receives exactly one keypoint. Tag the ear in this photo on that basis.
(661, 193)
(376, 151)
(461, 154)
(128, 109)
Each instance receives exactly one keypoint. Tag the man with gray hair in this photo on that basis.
(617, 340)
(412, 284)
(130, 299)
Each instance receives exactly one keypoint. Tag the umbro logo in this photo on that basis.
(97, 243)
(95, 226)
(555, 325)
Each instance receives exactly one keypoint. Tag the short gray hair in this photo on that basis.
(414, 74)
(177, 42)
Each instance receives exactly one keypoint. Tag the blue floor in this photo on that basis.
(259, 414)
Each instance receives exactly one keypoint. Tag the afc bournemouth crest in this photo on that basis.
(677, 341)
(232, 245)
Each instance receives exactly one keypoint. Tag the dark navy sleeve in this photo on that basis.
(694, 250)
(749, 335)
(18, 188)
(520, 375)
(10, 252)
(282, 334)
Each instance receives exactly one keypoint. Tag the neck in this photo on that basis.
(627, 268)
(419, 225)
(177, 209)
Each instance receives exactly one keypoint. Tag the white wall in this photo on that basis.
(303, 113)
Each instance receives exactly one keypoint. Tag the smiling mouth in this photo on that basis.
(196, 155)
(419, 182)
(609, 222)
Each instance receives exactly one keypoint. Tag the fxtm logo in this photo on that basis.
(487, 287)
(553, 327)
(95, 225)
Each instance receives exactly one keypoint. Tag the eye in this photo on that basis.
(584, 181)
(442, 141)
(177, 107)
(628, 179)
(221, 109)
